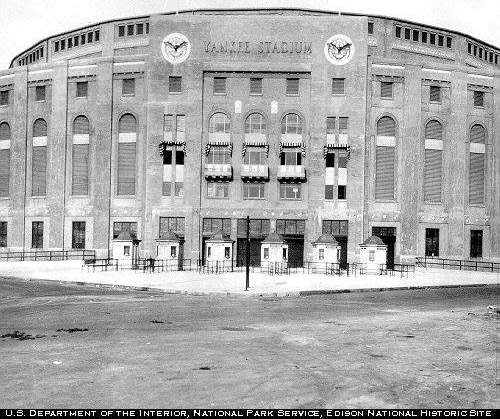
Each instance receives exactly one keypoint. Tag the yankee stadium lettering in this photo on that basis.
(262, 47)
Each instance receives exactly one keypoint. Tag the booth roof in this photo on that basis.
(219, 237)
(169, 236)
(326, 238)
(274, 238)
(373, 241)
(124, 236)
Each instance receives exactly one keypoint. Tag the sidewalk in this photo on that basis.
(191, 282)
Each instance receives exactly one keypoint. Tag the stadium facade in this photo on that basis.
(306, 121)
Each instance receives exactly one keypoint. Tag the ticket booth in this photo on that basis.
(372, 254)
(219, 247)
(168, 248)
(126, 249)
(274, 250)
(326, 249)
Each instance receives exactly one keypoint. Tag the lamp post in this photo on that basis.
(248, 255)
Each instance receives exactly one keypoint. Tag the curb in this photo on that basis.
(244, 294)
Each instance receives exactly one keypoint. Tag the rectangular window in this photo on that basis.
(78, 235)
(121, 31)
(255, 86)
(338, 86)
(37, 235)
(63, 44)
(435, 94)
(168, 124)
(212, 225)
(291, 227)
(175, 84)
(82, 88)
(469, 48)
(3, 234)
(147, 27)
(329, 192)
(254, 155)
(180, 129)
(130, 30)
(330, 125)
(342, 159)
(4, 97)
(475, 50)
(83, 39)
(126, 169)
(80, 172)
(386, 89)
(219, 85)
(174, 224)
(290, 191)
(416, 35)
(90, 37)
(40, 93)
(433, 162)
(448, 42)
(407, 33)
(432, 242)
(128, 87)
(433, 38)
(76, 40)
(219, 155)
(292, 87)
(384, 173)
(96, 36)
(291, 158)
(341, 192)
(70, 43)
(335, 227)
(127, 226)
(440, 40)
(330, 160)
(179, 189)
(56, 46)
(343, 124)
(253, 191)
(370, 28)
(424, 37)
(140, 28)
(39, 171)
(4, 172)
(218, 190)
(478, 99)
(476, 243)
(476, 179)
(398, 31)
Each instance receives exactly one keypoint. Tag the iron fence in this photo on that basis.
(458, 264)
(47, 255)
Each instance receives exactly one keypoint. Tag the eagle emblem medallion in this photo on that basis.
(175, 48)
(339, 49)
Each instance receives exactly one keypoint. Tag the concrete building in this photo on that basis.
(307, 121)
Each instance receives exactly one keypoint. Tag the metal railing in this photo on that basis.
(51, 255)
(104, 263)
(458, 264)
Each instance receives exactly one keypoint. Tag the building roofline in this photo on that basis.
(268, 9)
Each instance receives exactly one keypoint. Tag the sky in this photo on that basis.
(25, 22)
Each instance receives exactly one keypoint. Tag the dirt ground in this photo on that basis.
(68, 346)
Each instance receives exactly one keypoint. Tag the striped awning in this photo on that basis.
(211, 144)
(342, 146)
(254, 144)
(164, 144)
(292, 145)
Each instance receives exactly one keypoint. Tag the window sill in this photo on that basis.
(435, 103)
(81, 97)
(174, 93)
(128, 95)
(477, 205)
(386, 98)
(220, 94)
(254, 199)
(255, 94)
(125, 196)
(215, 197)
(338, 94)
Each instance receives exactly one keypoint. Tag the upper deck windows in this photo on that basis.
(33, 56)
(69, 43)
(129, 29)
(482, 53)
(423, 36)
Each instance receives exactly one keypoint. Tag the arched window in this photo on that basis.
(127, 124)
(81, 125)
(127, 137)
(80, 159)
(219, 123)
(4, 131)
(385, 159)
(477, 134)
(434, 130)
(433, 161)
(291, 124)
(386, 127)
(4, 159)
(255, 124)
(39, 159)
(40, 128)
(477, 164)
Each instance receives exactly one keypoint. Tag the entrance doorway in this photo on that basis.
(432, 242)
(388, 236)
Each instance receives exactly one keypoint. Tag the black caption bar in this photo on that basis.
(249, 413)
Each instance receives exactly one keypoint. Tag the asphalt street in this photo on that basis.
(73, 346)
